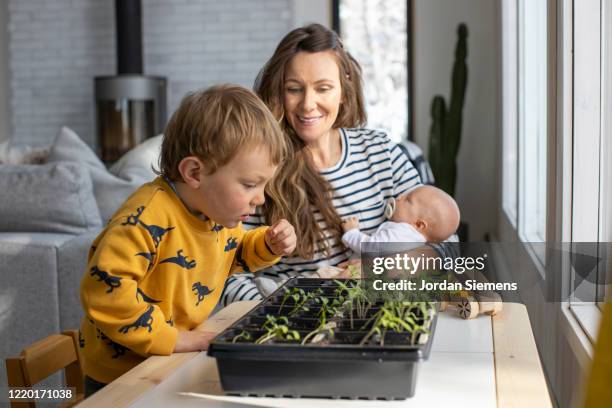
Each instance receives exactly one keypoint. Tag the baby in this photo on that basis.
(426, 214)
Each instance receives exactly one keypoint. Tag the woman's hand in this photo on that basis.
(281, 238)
(192, 340)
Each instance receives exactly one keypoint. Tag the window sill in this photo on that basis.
(588, 316)
(580, 325)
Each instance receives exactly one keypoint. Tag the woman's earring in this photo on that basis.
(390, 208)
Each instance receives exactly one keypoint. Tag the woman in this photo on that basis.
(338, 169)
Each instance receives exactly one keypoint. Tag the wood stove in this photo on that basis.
(130, 106)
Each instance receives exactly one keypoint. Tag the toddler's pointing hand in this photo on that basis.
(281, 238)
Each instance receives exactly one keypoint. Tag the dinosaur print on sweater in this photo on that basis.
(103, 276)
(180, 260)
(155, 231)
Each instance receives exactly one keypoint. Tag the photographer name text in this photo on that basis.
(407, 285)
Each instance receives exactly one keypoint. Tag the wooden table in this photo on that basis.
(484, 362)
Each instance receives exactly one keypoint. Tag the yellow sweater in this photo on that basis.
(156, 269)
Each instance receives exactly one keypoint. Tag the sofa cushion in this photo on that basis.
(111, 188)
(55, 197)
(29, 304)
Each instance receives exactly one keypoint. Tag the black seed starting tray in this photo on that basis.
(321, 338)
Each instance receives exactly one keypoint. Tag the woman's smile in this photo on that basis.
(309, 120)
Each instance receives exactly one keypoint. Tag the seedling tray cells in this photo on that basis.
(325, 338)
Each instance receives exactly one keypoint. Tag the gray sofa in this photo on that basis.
(49, 216)
(40, 274)
(49, 219)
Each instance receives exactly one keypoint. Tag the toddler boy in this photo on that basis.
(157, 270)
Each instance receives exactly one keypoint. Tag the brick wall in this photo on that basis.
(57, 47)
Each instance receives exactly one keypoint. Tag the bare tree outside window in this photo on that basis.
(375, 33)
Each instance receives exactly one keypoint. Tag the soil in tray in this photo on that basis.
(319, 283)
(309, 312)
(255, 323)
(340, 337)
(355, 337)
(240, 335)
(293, 310)
(327, 292)
(250, 336)
(298, 323)
(315, 312)
(306, 319)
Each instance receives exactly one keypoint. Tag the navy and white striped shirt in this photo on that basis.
(371, 170)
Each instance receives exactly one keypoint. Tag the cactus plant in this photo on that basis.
(445, 131)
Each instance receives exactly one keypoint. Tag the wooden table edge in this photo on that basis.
(132, 385)
(519, 377)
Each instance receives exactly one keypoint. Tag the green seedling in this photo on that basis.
(300, 299)
(243, 335)
(302, 303)
(407, 317)
(327, 308)
(277, 329)
(295, 293)
(324, 330)
(356, 300)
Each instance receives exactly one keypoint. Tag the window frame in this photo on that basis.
(589, 124)
(336, 26)
(566, 207)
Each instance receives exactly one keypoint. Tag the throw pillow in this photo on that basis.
(137, 164)
(55, 197)
(112, 188)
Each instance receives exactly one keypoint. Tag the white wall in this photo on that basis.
(4, 96)
(57, 48)
(434, 30)
(311, 11)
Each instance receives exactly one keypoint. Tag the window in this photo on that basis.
(591, 174)
(510, 120)
(557, 94)
(533, 115)
(376, 33)
(526, 130)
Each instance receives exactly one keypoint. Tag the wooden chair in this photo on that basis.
(43, 358)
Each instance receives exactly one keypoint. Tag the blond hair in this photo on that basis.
(214, 124)
(301, 189)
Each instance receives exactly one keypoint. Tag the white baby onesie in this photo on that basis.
(387, 232)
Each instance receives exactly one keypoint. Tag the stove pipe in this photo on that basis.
(128, 20)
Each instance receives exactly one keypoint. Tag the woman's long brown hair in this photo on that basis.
(298, 189)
